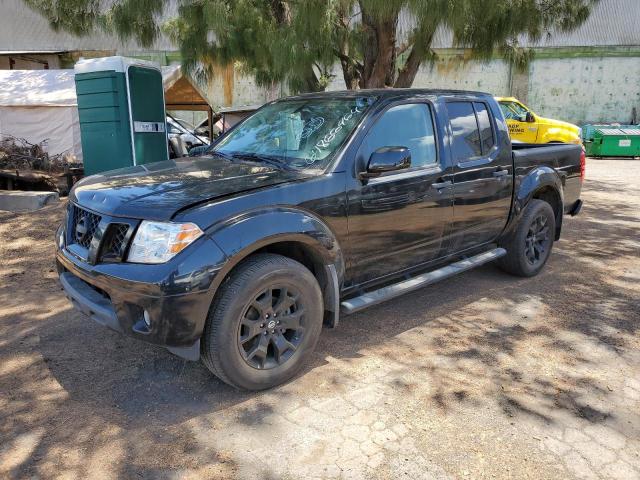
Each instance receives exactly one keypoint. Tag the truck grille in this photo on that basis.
(83, 226)
(116, 242)
(112, 233)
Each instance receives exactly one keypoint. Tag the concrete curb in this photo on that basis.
(19, 201)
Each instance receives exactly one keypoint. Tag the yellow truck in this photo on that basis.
(525, 126)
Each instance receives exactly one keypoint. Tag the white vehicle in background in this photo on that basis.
(182, 137)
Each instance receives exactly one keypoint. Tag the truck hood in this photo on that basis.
(157, 191)
(559, 124)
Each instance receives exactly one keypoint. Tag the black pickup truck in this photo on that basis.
(315, 205)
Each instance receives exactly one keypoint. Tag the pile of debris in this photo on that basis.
(27, 166)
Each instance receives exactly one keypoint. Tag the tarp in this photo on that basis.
(37, 88)
(41, 106)
(57, 128)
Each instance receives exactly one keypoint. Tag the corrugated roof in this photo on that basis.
(612, 23)
(22, 29)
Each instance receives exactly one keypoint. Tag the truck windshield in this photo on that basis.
(299, 134)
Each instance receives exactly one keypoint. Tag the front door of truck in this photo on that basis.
(518, 118)
(399, 219)
(483, 176)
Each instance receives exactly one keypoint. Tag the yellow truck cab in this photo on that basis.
(525, 126)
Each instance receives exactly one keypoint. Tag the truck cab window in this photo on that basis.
(466, 142)
(408, 125)
(484, 123)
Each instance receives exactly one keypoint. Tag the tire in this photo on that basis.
(527, 251)
(265, 293)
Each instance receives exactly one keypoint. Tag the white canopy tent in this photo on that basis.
(40, 106)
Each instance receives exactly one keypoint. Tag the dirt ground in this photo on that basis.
(482, 376)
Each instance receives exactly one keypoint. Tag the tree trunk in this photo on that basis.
(408, 72)
(369, 47)
(311, 82)
(383, 68)
(351, 70)
(420, 50)
(379, 51)
(281, 11)
(350, 74)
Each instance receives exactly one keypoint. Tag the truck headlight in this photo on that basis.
(60, 237)
(158, 242)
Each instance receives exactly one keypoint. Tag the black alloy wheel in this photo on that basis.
(272, 327)
(537, 241)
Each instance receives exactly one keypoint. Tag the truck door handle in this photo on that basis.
(441, 185)
(501, 173)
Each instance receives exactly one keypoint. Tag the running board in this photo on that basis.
(387, 293)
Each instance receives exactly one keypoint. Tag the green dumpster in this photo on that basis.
(121, 112)
(612, 141)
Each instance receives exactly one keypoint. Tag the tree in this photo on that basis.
(378, 43)
(275, 40)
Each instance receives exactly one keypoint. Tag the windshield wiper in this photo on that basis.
(226, 156)
(262, 158)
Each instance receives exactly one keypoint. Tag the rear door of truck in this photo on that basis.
(480, 151)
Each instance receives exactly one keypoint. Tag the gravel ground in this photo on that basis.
(482, 376)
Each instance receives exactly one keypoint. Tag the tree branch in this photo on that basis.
(403, 48)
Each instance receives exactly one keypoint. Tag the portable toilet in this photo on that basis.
(122, 113)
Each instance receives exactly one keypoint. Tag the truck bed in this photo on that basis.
(563, 158)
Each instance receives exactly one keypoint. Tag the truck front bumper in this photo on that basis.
(166, 304)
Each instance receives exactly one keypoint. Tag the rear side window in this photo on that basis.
(466, 137)
(484, 124)
(471, 128)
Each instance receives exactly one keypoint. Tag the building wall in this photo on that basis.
(573, 85)
(231, 87)
(586, 90)
(456, 73)
(575, 88)
(451, 71)
(578, 87)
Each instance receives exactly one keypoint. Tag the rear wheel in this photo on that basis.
(529, 246)
(264, 323)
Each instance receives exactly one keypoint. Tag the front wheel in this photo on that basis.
(529, 246)
(264, 323)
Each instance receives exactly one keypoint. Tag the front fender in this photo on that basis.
(241, 235)
(558, 134)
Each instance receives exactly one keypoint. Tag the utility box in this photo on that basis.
(612, 141)
(121, 112)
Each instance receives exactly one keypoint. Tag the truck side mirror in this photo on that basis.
(529, 118)
(387, 159)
